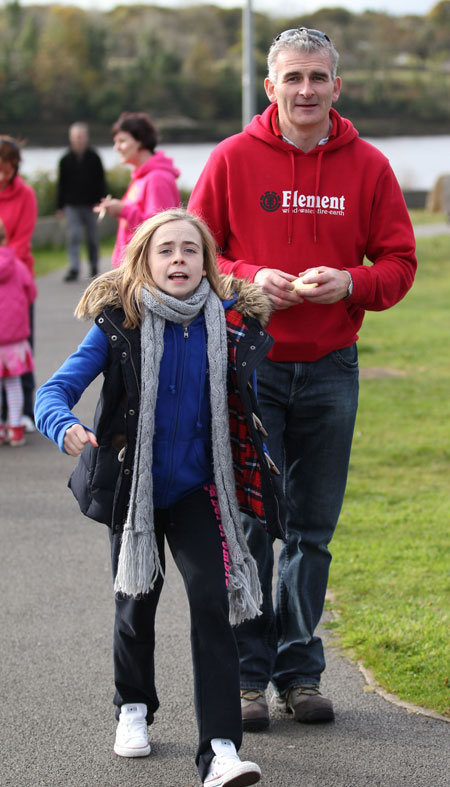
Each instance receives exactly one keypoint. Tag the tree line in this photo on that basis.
(61, 63)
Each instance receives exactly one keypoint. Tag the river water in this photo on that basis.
(416, 161)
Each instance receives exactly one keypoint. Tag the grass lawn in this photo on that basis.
(391, 569)
(421, 216)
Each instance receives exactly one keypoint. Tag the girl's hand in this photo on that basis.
(76, 438)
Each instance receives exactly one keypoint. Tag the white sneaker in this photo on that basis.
(227, 770)
(131, 734)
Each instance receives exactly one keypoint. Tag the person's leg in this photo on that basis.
(134, 639)
(74, 231)
(28, 382)
(91, 229)
(14, 402)
(318, 439)
(198, 546)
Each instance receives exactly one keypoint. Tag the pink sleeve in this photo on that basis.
(20, 240)
(27, 280)
(159, 192)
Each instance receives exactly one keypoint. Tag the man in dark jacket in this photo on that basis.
(81, 185)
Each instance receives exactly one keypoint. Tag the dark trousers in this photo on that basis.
(81, 218)
(195, 538)
(309, 411)
(28, 382)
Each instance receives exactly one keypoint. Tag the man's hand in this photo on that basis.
(277, 285)
(76, 438)
(332, 285)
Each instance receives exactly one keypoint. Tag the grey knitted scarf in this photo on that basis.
(139, 564)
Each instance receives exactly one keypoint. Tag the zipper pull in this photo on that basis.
(186, 332)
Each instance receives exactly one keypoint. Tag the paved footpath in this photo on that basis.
(56, 619)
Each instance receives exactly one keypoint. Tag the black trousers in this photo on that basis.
(194, 534)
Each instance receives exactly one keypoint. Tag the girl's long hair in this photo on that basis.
(122, 286)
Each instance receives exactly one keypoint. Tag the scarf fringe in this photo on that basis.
(244, 591)
(139, 564)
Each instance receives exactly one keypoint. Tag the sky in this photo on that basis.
(275, 7)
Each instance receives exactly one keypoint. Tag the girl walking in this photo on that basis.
(17, 293)
(176, 452)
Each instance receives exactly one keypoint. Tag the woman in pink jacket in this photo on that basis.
(153, 180)
(17, 293)
(18, 212)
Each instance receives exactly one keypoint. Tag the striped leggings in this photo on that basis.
(14, 399)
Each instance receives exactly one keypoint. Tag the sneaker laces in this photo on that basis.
(252, 695)
(135, 727)
(311, 689)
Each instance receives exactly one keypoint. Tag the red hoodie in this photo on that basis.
(269, 205)
(18, 212)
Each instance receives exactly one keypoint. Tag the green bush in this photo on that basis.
(117, 180)
(45, 189)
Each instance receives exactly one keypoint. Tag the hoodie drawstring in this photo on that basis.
(316, 192)
(291, 155)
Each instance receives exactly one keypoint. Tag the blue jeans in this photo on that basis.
(309, 411)
(81, 218)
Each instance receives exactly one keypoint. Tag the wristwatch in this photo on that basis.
(350, 284)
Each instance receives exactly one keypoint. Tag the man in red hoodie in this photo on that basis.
(298, 191)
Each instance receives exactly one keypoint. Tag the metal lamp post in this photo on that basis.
(248, 64)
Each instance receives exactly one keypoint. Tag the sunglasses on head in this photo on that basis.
(311, 32)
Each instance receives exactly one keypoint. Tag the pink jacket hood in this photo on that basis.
(159, 161)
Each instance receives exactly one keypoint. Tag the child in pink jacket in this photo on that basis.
(17, 293)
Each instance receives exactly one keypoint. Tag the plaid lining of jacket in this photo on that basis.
(258, 489)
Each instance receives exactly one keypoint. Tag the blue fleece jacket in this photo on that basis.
(182, 456)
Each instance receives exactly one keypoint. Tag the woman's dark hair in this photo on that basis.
(140, 126)
(10, 151)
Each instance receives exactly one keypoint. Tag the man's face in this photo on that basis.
(78, 140)
(304, 90)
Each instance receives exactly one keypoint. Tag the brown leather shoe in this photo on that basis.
(255, 712)
(307, 704)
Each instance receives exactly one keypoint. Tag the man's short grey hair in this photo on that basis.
(300, 41)
(79, 126)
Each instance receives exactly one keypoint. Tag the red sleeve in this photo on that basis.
(390, 247)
